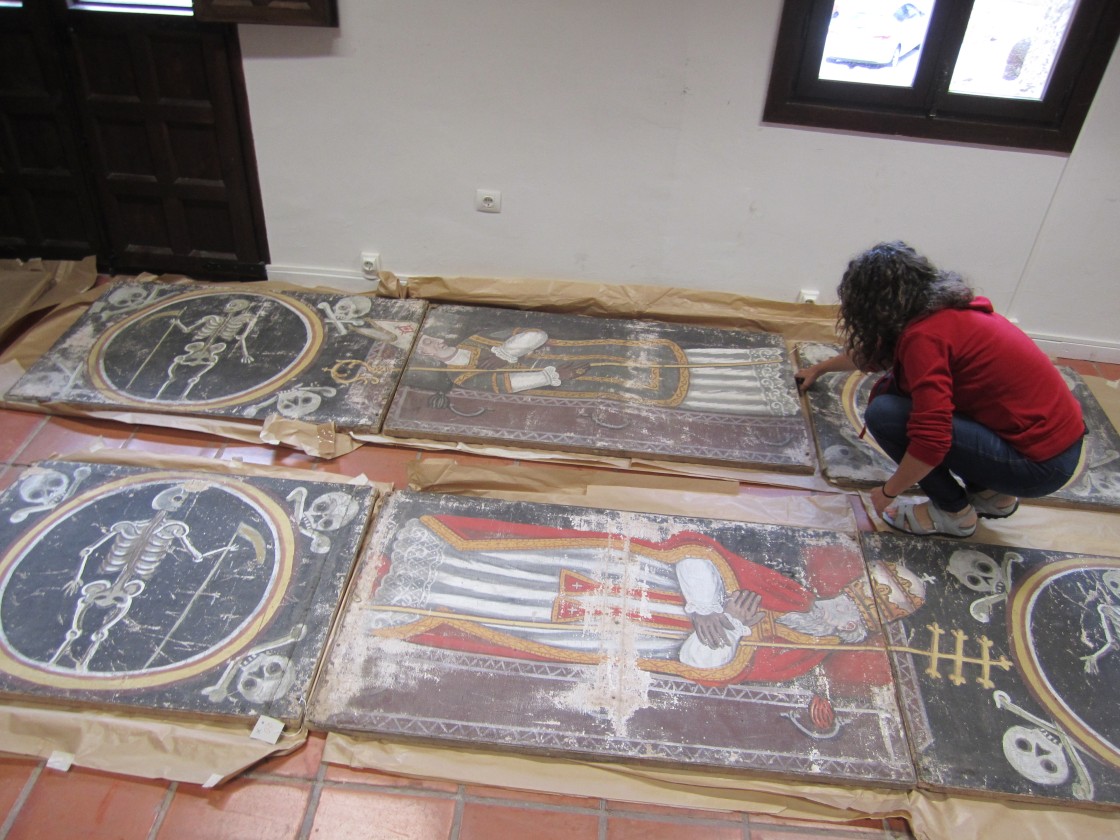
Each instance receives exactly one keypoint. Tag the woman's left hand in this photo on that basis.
(880, 500)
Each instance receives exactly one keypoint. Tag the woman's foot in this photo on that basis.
(927, 519)
(992, 505)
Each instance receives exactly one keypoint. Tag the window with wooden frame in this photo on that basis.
(1014, 73)
(294, 12)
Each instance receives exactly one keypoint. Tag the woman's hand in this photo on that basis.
(806, 377)
(880, 500)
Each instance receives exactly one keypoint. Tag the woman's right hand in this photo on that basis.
(806, 377)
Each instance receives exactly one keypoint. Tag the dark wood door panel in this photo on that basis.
(127, 136)
(46, 205)
(168, 154)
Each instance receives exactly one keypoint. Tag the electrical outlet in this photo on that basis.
(488, 201)
(808, 296)
(371, 265)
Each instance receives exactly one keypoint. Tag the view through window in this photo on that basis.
(1017, 73)
(166, 7)
(875, 42)
(1008, 51)
(1010, 47)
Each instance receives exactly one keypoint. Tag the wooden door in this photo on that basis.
(150, 147)
(163, 112)
(47, 206)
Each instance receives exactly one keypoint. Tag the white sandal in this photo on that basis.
(944, 523)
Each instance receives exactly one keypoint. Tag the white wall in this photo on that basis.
(626, 138)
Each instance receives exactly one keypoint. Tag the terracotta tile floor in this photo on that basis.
(299, 796)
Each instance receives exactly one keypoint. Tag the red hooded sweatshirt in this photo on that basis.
(976, 362)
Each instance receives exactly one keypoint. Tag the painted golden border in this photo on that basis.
(1020, 608)
(312, 348)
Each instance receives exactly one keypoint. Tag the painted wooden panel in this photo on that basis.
(837, 402)
(170, 591)
(232, 352)
(603, 385)
(1009, 671)
(620, 636)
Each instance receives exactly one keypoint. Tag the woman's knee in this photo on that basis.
(887, 414)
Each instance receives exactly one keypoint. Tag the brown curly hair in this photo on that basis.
(884, 289)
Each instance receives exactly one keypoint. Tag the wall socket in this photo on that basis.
(371, 265)
(488, 201)
(808, 296)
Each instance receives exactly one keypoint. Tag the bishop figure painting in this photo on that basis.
(603, 385)
(583, 632)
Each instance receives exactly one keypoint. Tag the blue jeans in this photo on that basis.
(979, 456)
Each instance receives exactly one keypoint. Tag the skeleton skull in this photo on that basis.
(265, 677)
(297, 402)
(330, 512)
(1097, 453)
(838, 452)
(1111, 581)
(174, 497)
(1105, 483)
(44, 489)
(352, 308)
(127, 297)
(976, 570)
(1036, 755)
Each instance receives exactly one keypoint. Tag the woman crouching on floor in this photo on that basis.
(967, 396)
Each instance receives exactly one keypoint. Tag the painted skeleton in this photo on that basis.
(210, 337)
(137, 550)
(1110, 624)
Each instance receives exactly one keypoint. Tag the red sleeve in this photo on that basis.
(923, 359)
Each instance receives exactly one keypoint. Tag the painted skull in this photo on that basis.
(45, 489)
(330, 512)
(1111, 580)
(1105, 483)
(1035, 755)
(297, 402)
(976, 570)
(265, 677)
(1097, 453)
(127, 297)
(174, 497)
(351, 309)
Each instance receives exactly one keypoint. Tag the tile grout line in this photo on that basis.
(676, 819)
(27, 440)
(312, 808)
(21, 800)
(457, 814)
(161, 813)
